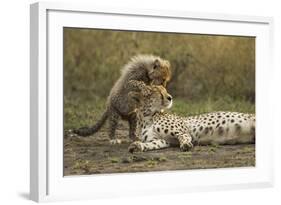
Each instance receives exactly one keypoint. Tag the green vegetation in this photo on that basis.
(210, 73)
(151, 163)
(186, 108)
(81, 113)
(114, 160)
(82, 164)
(185, 156)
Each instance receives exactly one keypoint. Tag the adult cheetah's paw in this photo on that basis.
(135, 147)
(184, 147)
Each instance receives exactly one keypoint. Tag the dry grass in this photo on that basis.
(204, 66)
(210, 73)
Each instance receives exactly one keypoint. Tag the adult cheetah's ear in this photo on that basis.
(156, 64)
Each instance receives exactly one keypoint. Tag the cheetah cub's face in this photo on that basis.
(159, 100)
(160, 72)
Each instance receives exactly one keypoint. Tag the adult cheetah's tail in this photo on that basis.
(86, 131)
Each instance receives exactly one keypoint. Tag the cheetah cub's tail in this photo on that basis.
(86, 131)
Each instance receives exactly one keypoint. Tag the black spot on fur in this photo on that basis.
(194, 129)
(144, 132)
(206, 130)
(158, 129)
(166, 131)
(220, 131)
(201, 128)
(218, 125)
(223, 122)
(172, 134)
(232, 121)
(237, 127)
(145, 137)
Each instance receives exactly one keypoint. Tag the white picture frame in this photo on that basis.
(47, 182)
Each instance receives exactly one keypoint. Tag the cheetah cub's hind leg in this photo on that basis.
(113, 122)
(155, 144)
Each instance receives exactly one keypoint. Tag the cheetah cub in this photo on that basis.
(137, 76)
(160, 130)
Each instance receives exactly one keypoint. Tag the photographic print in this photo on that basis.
(137, 101)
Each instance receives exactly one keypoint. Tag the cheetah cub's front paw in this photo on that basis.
(187, 146)
(135, 147)
(115, 141)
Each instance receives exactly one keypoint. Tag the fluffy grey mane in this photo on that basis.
(138, 62)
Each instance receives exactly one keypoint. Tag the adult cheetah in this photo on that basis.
(158, 129)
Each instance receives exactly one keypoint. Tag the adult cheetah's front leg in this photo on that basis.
(156, 144)
(185, 141)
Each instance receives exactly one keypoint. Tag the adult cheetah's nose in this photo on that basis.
(169, 98)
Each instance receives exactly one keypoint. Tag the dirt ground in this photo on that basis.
(94, 155)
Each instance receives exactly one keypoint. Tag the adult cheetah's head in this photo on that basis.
(157, 101)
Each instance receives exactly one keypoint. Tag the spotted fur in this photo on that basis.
(160, 130)
(136, 76)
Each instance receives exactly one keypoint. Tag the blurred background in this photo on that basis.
(209, 72)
